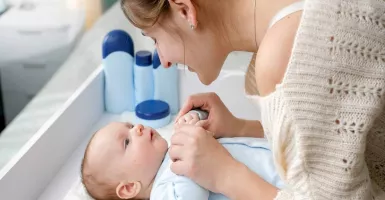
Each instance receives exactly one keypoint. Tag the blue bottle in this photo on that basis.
(143, 77)
(153, 113)
(118, 63)
(166, 84)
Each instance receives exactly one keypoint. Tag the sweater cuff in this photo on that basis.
(284, 195)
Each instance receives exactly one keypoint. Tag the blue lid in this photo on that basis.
(156, 60)
(117, 40)
(152, 110)
(143, 58)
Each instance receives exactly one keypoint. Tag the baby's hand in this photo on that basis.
(189, 118)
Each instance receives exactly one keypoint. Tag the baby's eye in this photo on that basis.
(129, 125)
(126, 142)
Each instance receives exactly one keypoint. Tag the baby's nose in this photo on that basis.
(139, 128)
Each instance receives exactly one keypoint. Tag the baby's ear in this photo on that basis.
(128, 190)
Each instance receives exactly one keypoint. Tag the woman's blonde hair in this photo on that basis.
(144, 13)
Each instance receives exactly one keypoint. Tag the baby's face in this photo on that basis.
(123, 152)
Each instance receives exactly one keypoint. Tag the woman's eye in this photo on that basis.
(154, 40)
(126, 142)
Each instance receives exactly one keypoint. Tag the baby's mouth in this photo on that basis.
(153, 134)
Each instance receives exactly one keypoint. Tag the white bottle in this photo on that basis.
(166, 84)
(143, 77)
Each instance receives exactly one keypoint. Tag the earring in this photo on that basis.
(191, 25)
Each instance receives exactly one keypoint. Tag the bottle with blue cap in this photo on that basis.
(153, 113)
(166, 84)
(143, 77)
(118, 64)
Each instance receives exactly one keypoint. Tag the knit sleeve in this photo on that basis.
(333, 101)
(284, 195)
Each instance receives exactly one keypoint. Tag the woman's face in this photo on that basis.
(200, 49)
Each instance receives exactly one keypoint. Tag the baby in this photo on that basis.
(123, 161)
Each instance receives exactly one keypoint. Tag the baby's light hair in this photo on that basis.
(97, 189)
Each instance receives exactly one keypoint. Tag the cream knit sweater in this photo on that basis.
(326, 121)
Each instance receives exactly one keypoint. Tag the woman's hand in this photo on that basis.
(220, 121)
(199, 156)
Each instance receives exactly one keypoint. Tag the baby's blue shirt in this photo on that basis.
(253, 152)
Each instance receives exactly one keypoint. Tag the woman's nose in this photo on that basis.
(165, 63)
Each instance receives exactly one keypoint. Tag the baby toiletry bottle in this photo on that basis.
(166, 84)
(144, 80)
(153, 113)
(118, 63)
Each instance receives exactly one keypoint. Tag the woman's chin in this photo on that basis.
(205, 81)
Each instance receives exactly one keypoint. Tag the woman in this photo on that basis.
(320, 75)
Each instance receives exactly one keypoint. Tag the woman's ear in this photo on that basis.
(186, 9)
(128, 190)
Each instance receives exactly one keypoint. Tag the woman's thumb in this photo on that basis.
(203, 123)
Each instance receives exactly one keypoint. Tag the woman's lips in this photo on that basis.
(190, 69)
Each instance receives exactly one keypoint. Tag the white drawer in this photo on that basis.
(14, 102)
(31, 43)
(26, 77)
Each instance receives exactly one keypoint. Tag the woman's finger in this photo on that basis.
(176, 153)
(202, 123)
(188, 130)
(194, 101)
(179, 167)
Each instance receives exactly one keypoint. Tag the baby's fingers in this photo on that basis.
(181, 120)
(193, 119)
